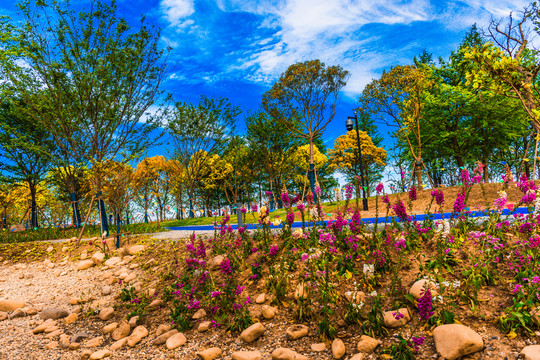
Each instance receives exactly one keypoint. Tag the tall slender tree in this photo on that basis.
(308, 93)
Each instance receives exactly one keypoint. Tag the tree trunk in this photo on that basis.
(34, 220)
(312, 170)
(486, 171)
(4, 219)
(418, 171)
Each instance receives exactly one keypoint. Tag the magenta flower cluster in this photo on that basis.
(425, 306)
(438, 195)
(412, 193)
(400, 210)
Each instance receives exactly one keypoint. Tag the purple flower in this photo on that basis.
(268, 193)
(225, 219)
(412, 193)
(397, 315)
(304, 257)
(417, 342)
(301, 207)
(459, 204)
(348, 191)
(400, 244)
(290, 218)
(524, 184)
(529, 197)
(399, 209)
(254, 208)
(500, 203)
(225, 267)
(385, 199)
(286, 199)
(439, 196)
(379, 188)
(318, 190)
(274, 249)
(465, 177)
(356, 222)
(425, 306)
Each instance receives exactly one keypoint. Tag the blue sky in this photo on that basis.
(237, 49)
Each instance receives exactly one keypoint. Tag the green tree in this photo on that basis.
(88, 78)
(26, 148)
(198, 132)
(308, 93)
(463, 124)
(397, 99)
(273, 146)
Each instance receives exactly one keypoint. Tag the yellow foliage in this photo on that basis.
(344, 154)
(300, 158)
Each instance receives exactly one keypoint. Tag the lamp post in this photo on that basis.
(349, 125)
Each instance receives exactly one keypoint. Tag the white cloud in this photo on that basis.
(175, 11)
(328, 30)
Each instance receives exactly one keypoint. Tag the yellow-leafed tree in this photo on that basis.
(300, 160)
(344, 155)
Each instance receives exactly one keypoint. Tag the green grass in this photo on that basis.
(250, 219)
(54, 233)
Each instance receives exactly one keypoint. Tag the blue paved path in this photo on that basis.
(417, 217)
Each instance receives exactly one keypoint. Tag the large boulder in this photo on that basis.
(453, 341)
(338, 348)
(112, 261)
(162, 338)
(106, 313)
(367, 344)
(121, 331)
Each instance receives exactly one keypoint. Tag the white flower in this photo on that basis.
(369, 269)
(446, 284)
(456, 284)
(373, 293)
(438, 298)
(359, 305)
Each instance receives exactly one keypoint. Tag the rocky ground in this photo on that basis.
(62, 303)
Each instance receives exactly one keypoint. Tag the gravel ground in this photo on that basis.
(52, 285)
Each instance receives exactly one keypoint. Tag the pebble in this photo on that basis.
(338, 348)
(246, 355)
(100, 354)
(175, 341)
(253, 332)
(296, 331)
(209, 354)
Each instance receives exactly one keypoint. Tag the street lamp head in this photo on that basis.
(349, 123)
